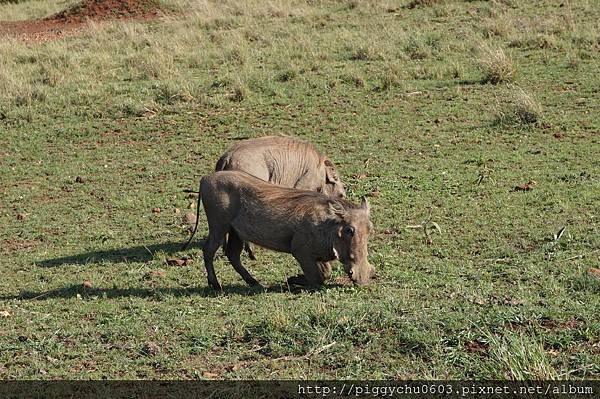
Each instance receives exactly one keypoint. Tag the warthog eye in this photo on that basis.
(348, 231)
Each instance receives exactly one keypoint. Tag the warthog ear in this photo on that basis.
(330, 173)
(364, 204)
(336, 209)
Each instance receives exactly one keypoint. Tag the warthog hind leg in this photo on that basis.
(233, 251)
(210, 249)
(249, 250)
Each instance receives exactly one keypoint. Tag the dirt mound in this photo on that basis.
(105, 10)
(71, 21)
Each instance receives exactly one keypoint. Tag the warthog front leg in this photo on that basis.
(325, 269)
(313, 275)
(233, 251)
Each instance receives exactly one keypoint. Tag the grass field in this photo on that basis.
(474, 126)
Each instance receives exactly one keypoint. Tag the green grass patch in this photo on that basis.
(396, 97)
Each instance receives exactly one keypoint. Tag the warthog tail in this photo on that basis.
(197, 215)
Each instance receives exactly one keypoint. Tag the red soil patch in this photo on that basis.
(106, 9)
(10, 246)
(72, 20)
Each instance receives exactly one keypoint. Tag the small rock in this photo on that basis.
(175, 262)
(179, 262)
(79, 179)
(177, 210)
(189, 218)
(526, 187)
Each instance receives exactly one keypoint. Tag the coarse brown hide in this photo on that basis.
(285, 161)
(313, 227)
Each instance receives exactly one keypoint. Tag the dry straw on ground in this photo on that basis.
(522, 108)
(496, 65)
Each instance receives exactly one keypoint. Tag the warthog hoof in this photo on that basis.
(215, 285)
(253, 283)
(297, 280)
(301, 280)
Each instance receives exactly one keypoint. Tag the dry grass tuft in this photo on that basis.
(573, 60)
(527, 109)
(354, 78)
(363, 53)
(497, 66)
(521, 109)
(501, 26)
(287, 75)
(423, 3)
(239, 92)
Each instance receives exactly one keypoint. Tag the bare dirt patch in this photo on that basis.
(73, 20)
(14, 245)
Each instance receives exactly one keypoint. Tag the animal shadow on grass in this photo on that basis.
(73, 290)
(141, 253)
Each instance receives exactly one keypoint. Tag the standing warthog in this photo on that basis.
(313, 227)
(285, 161)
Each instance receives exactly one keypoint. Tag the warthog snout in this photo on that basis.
(351, 244)
(362, 275)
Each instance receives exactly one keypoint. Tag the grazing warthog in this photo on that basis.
(313, 227)
(285, 161)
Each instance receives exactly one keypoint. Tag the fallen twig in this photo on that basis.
(581, 256)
